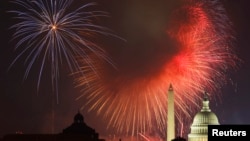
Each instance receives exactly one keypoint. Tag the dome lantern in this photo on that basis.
(78, 118)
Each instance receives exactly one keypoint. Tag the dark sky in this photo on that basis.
(23, 108)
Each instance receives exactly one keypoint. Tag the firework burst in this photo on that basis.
(134, 98)
(50, 31)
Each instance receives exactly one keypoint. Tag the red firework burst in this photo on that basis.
(134, 98)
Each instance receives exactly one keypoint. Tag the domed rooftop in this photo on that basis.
(205, 116)
(199, 128)
(79, 127)
(78, 118)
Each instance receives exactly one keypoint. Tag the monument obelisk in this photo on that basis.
(170, 115)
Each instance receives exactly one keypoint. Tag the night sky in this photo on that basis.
(25, 109)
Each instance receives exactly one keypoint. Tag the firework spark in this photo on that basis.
(49, 30)
(134, 98)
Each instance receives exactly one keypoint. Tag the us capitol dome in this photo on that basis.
(199, 127)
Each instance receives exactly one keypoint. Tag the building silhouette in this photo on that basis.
(77, 131)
